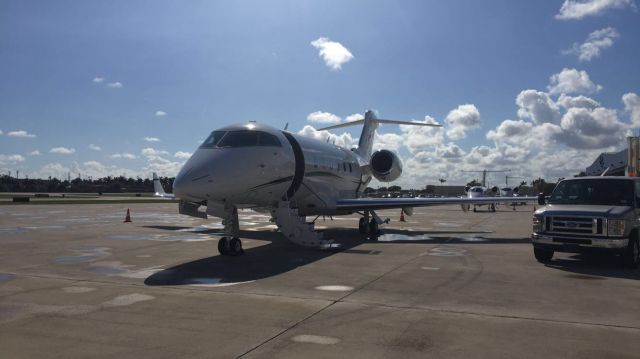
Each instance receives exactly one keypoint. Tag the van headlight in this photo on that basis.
(537, 224)
(615, 227)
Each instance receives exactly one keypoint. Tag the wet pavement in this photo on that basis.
(75, 281)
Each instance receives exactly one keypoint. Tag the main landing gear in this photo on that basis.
(230, 246)
(369, 226)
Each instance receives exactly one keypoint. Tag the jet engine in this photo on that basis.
(494, 189)
(385, 166)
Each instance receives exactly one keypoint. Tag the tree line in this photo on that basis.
(107, 184)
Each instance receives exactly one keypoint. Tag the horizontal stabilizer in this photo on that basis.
(378, 120)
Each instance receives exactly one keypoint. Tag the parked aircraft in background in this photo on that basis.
(291, 177)
(482, 191)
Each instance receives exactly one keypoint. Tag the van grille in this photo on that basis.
(575, 225)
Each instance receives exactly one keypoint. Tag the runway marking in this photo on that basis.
(446, 252)
(76, 290)
(128, 299)
(84, 255)
(315, 339)
(334, 288)
(212, 282)
(430, 268)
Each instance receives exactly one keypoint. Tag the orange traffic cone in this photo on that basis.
(128, 216)
(402, 216)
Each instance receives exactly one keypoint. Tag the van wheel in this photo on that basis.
(543, 255)
(631, 256)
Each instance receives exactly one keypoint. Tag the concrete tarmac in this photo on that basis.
(76, 282)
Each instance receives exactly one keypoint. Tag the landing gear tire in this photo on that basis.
(373, 230)
(543, 255)
(474, 209)
(223, 246)
(235, 247)
(631, 256)
(362, 226)
(493, 207)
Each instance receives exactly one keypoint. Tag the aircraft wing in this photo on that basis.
(356, 204)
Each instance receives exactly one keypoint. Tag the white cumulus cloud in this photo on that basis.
(34, 153)
(98, 79)
(152, 152)
(578, 9)
(462, 119)
(326, 118)
(115, 85)
(128, 156)
(354, 117)
(62, 150)
(570, 81)
(577, 101)
(333, 53)
(632, 105)
(537, 106)
(594, 44)
(152, 139)
(11, 158)
(21, 134)
(160, 113)
(95, 147)
(182, 155)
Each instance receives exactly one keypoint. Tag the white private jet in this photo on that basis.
(291, 177)
(482, 192)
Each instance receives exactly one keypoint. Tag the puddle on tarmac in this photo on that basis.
(391, 237)
(83, 255)
(4, 277)
(12, 230)
(161, 238)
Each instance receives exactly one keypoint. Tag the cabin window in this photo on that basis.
(213, 139)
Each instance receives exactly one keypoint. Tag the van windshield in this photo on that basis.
(594, 191)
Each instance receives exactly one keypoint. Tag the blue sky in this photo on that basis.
(208, 64)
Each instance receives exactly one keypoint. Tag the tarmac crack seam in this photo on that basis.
(339, 300)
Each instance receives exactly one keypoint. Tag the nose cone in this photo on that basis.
(190, 182)
(179, 184)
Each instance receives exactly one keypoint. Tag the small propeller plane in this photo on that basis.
(291, 177)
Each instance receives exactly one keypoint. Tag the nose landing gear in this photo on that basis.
(230, 244)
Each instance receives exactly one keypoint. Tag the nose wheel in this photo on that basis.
(230, 246)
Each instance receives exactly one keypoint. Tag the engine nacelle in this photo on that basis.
(385, 166)
(495, 189)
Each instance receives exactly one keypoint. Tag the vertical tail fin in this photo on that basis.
(365, 144)
(158, 189)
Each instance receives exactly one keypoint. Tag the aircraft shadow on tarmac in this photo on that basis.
(280, 256)
(593, 267)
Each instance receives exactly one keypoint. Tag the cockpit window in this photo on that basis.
(239, 139)
(267, 139)
(247, 138)
(213, 139)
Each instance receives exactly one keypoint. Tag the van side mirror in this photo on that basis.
(541, 199)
